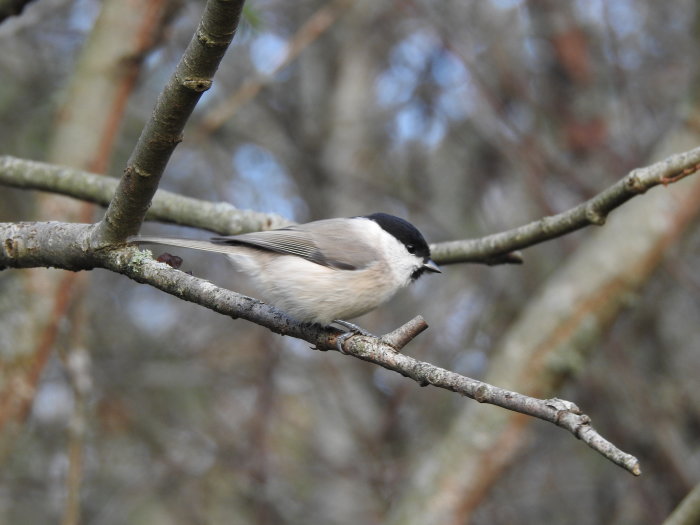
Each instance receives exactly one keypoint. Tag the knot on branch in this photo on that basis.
(482, 393)
(198, 85)
(594, 216)
(207, 40)
(633, 182)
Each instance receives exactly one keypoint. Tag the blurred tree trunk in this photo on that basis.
(551, 342)
(84, 134)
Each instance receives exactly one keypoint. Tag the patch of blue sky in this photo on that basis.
(415, 50)
(83, 15)
(507, 4)
(448, 70)
(457, 103)
(396, 85)
(627, 24)
(412, 123)
(154, 57)
(520, 118)
(267, 51)
(591, 10)
(624, 16)
(263, 184)
(53, 402)
(458, 97)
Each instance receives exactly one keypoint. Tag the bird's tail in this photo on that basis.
(194, 244)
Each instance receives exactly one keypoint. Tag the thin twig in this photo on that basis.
(405, 334)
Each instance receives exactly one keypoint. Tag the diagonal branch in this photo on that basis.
(163, 131)
(593, 211)
(63, 246)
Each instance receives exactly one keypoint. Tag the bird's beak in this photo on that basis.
(430, 266)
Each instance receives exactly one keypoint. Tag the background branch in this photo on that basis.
(593, 211)
(169, 207)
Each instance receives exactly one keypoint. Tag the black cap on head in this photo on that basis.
(404, 231)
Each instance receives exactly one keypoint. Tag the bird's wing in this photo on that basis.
(329, 243)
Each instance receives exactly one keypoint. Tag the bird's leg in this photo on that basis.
(353, 330)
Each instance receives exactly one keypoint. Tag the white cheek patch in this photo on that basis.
(402, 265)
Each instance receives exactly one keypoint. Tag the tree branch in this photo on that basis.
(493, 248)
(163, 131)
(46, 244)
(219, 217)
(224, 218)
(64, 246)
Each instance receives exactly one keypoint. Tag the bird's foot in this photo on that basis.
(353, 330)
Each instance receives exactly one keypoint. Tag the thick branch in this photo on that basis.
(46, 244)
(163, 131)
(138, 266)
(593, 211)
(219, 217)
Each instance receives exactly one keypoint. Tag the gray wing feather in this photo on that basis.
(283, 241)
(328, 242)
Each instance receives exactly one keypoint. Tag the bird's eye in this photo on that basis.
(411, 248)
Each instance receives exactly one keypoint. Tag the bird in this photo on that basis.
(325, 271)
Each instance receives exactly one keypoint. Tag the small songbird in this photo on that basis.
(325, 271)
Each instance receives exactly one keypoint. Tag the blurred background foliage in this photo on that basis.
(466, 117)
